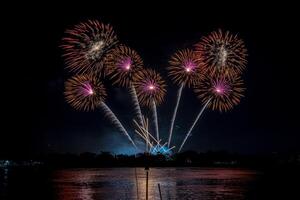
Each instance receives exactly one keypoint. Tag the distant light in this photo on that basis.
(188, 69)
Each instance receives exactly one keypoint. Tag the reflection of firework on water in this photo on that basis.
(184, 68)
(122, 63)
(150, 87)
(223, 91)
(222, 52)
(84, 92)
(85, 45)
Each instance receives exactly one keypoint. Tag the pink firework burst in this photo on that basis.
(125, 64)
(223, 92)
(220, 87)
(150, 87)
(184, 69)
(121, 64)
(84, 92)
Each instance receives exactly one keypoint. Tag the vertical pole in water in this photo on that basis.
(147, 185)
(137, 185)
(147, 173)
(159, 191)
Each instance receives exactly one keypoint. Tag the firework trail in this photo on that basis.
(136, 103)
(155, 118)
(109, 113)
(121, 65)
(184, 70)
(195, 122)
(150, 91)
(175, 113)
(145, 130)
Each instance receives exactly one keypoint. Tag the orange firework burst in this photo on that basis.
(122, 63)
(184, 68)
(150, 87)
(223, 92)
(85, 45)
(84, 92)
(222, 52)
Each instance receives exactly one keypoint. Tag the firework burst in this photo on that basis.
(184, 68)
(85, 45)
(84, 92)
(222, 52)
(122, 63)
(225, 92)
(150, 87)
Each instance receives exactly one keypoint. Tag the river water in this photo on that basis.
(130, 183)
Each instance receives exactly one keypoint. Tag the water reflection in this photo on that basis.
(176, 183)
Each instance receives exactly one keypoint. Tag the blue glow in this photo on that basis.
(158, 149)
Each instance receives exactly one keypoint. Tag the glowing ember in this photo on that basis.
(87, 89)
(151, 87)
(126, 64)
(219, 90)
(91, 91)
(127, 67)
(189, 66)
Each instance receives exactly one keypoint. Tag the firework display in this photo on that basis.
(85, 45)
(122, 63)
(222, 52)
(84, 92)
(184, 68)
(150, 87)
(213, 70)
(225, 92)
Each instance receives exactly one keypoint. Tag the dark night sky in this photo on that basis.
(41, 121)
